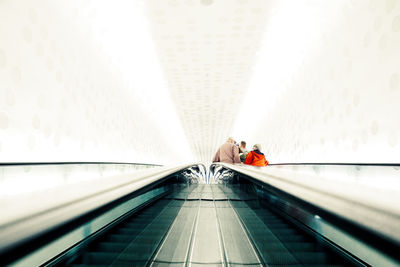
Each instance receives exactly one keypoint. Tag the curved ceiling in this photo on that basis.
(207, 50)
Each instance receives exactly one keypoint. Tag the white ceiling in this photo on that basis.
(207, 49)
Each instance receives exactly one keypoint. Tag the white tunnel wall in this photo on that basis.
(80, 81)
(327, 86)
(74, 85)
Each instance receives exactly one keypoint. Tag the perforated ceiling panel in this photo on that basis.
(207, 49)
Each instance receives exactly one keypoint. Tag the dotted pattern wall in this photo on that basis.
(342, 102)
(63, 96)
(326, 91)
(207, 49)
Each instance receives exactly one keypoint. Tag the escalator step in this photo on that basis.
(110, 247)
(312, 257)
(290, 246)
(119, 238)
(129, 231)
(277, 225)
(134, 224)
(292, 238)
(262, 237)
(272, 247)
(276, 232)
(136, 230)
(268, 217)
(102, 258)
(301, 246)
(274, 223)
(279, 258)
(140, 255)
(145, 240)
(280, 227)
(282, 231)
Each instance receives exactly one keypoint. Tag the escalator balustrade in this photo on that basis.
(207, 225)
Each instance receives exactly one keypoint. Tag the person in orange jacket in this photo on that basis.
(255, 157)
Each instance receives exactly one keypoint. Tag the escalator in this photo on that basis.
(187, 216)
(207, 225)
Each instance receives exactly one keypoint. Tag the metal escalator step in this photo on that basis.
(128, 231)
(290, 246)
(147, 234)
(117, 238)
(102, 258)
(155, 228)
(279, 258)
(146, 240)
(277, 225)
(266, 239)
(109, 247)
(137, 256)
(280, 227)
(292, 238)
(271, 219)
(271, 247)
(145, 214)
(276, 232)
(116, 246)
(141, 218)
(148, 212)
(273, 222)
(151, 210)
(108, 257)
(283, 231)
(138, 221)
(274, 253)
(313, 257)
(301, 246)
(141, 221)
(135, 224)
(271, 237)
(279, 243)
(140, 228)
(266, 215)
